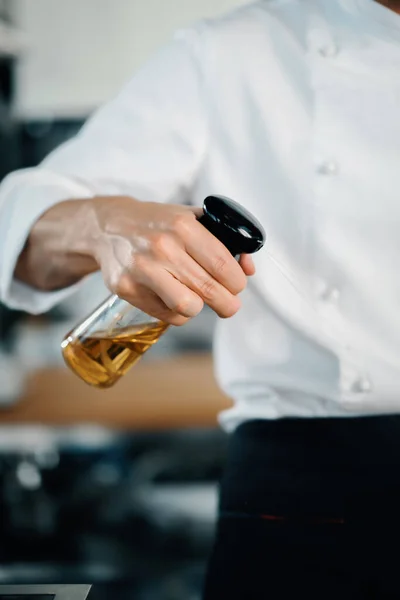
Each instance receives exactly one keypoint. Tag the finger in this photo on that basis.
(173, 293)
(194, 277)
(214, 257)
(146, 300)
(247, 264)
(197, 211)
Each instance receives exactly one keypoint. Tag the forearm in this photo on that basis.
(57, 253)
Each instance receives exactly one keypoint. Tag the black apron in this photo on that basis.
(309, 508)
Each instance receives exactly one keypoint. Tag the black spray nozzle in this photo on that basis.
(233, 225)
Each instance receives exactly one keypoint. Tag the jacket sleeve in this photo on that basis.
(148, 143)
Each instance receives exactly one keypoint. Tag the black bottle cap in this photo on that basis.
(233, 225)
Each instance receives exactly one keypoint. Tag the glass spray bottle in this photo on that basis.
(103, 347)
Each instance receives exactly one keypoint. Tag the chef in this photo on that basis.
(291, 107)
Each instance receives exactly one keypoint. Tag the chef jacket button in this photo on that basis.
(363, 385)
(329, 50)
(329, 167)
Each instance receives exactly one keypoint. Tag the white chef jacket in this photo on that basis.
(291, 107)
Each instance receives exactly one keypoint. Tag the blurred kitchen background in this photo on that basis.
(113, 488)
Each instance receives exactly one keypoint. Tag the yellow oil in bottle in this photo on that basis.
(101, 360)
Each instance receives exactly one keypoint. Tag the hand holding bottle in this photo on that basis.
(160, 259)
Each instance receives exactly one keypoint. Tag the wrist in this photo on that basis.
(58, 251)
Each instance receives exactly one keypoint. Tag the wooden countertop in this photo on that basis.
(159, 394)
